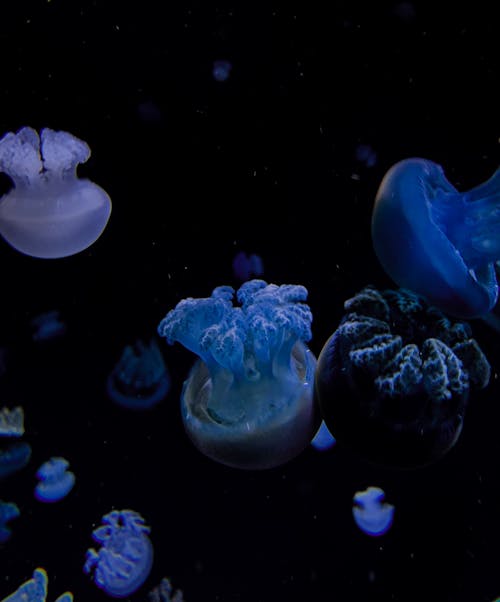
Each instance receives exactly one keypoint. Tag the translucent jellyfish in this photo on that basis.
(55, 480)
(248, 401)
(366, 155)
(221, 70)
(323, 439)
(50, 212)
(372, 514)
(14, 458)
(8, 512)
(35, 590)
(245, 266)
(12, 422)
(394, 379)
(140, 379)
(165, 593)
(48, 326)
(438, 242)
(125, 558)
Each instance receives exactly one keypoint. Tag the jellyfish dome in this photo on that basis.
(394, 379)
(50, 212)
(436, 241)
(248, 401)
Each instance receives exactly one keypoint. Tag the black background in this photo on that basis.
(264, 162)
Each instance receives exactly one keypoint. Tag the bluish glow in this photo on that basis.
(165, 593)
(394, 379)
(12, 422)
(14, 458)
(323, 439)
(436, 241)
(366, 155)
(248, 402)
(140, 378)
(49, 213)
(125, 558)
(35, 590)
(8, 512)
(221, 70)
(56, 481)
(246, 266)
(372, 514)
(48, 326)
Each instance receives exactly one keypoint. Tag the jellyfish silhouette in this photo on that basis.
(14, 458)
(436, 241)
(12, 422)
(35, 590)
(221, 70)
(323, 439)
(125, 559)
(248, 401)
(8, 512)
(164, 592)
(56, 481)
(48, 326)
(49, 213)
(140, 379)
(372, 514)
(394, 379)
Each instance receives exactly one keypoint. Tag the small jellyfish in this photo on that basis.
(140, 379)
(366, 155)
(55, 480)
(246, 266)
(35, 590)
(248, 401)
(125, 558)
(50, 212)
(438, 242)
(394, 379)
(8, 512)
(221, 70)
(48, 326)
(12, 422)
(14, 458)
(165, 593)
(372, 514)
(323, 439)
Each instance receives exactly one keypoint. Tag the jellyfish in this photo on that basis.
(8, 512)
(221, 70)
(438, 242)
(14, 458)
(245, 266)
(323, 439)
(248, 401)
(125, 559)
(140, 379)
(50, 212)
(366, 155)
(12, 422)
(55, 480)
(164, 592)
(394, 379)
(48, 326)
(35, 590)
(372, 514)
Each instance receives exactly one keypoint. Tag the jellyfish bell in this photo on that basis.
(50, 212)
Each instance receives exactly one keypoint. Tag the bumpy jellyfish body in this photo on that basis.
(394, 379)
(49, 213)
(436, 241)
(248, 401)
(55, 480)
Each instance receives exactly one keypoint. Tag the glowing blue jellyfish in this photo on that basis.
(12, 422)
(248, 401)
(55, 480)
(140, 379)
(394, 379)
(436, 241)
(8, 512)
(245, 266)
(14, 458)
(125, 559)
(35, 590)
(48, 326)
(165, 593)
(372, 514)
(50, 212)
(323, 439)
(221, 70)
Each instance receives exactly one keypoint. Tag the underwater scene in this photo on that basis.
(249, 326)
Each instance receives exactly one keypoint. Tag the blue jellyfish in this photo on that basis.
(50, 212)
(14, 458)
(366, 155)
(125, 559)
(140, 379)
(165, 592)
(35, 590)
(55, 480)
(323, 439)
(48, 326)
(394, 379)
(8, 512)
(221, 70)
(436, 241)
(246, 266)
(248, 401)
(372, 514)
(12, 422)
